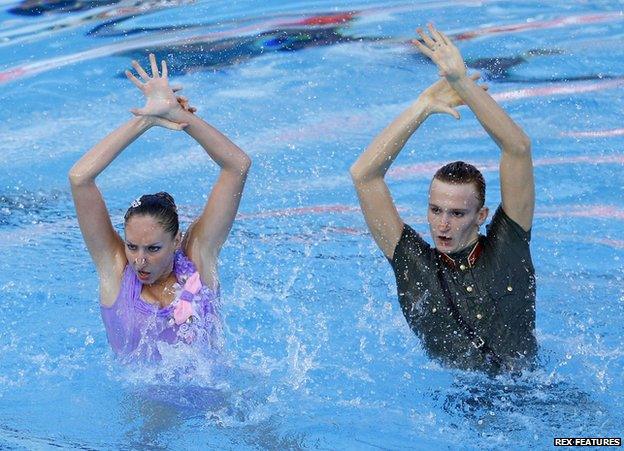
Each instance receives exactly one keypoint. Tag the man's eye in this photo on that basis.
(458, 214)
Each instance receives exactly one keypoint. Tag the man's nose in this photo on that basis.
(445, 222)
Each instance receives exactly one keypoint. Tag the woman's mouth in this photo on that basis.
(143, 275)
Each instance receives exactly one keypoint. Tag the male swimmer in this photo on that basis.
(158, 286)
(470, 298)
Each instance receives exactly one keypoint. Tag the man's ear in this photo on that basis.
(482, 216)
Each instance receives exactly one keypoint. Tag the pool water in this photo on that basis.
(318, 354)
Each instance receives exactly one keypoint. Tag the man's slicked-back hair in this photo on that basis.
(459, 172)
(161, 206)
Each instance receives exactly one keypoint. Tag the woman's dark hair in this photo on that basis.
(161, 206)
(459, 172)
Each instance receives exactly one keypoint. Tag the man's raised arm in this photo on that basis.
(368, 171)
(516, 165)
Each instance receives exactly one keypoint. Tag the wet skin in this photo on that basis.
(149, 249)
(454, 215)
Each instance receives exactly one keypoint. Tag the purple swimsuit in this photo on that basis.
(137, 330)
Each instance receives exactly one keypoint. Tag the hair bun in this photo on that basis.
(167, 197)
(160, 205)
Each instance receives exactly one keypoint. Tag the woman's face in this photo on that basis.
(149, 248)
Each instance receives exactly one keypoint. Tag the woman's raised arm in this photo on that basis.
(104, 244)
(203, 241)
(209, 231)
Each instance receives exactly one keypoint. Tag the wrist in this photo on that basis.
(144, 123)
(423, 106)
(179, 115)
(459, 78)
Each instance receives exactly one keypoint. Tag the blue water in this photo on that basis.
(318, 353)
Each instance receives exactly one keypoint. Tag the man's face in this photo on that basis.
(454, 215)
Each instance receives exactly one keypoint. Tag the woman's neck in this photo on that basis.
(161, 292)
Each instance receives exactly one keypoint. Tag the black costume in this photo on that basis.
(492, 286)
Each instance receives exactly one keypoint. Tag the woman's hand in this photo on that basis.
(442, 52)
(162, 106)
(440, 97)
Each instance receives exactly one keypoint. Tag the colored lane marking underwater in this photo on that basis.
(21, 32)
(298, 211)
(595, 133)
(339, 123)
(583, 211)
(574, 211)
(53, 17)
(172, 37)
(427, 169)
(595, 212)
(539, 25)
(559, 89)
(336, 123)
(618, 244)
(328, 233)
(34, 233)
(114, 13)
(169, 39)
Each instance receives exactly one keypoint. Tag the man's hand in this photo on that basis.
(184, 103)
(516, 166)
(440, 97)
(442, 52)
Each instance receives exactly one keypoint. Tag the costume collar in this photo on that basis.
(472, 257)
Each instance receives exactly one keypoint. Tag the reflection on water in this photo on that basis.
(225, 402)
(20, 207)
(513, 405)
(501, 69)
(214, 54)
(39, 7)
(193, 46)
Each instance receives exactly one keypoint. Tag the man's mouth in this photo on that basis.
(445, 239)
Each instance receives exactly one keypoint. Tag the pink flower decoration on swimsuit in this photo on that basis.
(184, 309)
(182, 312)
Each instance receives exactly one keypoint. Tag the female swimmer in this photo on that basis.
(157, 286)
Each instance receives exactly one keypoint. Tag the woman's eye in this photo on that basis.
(132, 247)
(153, 248)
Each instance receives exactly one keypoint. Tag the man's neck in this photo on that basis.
(470, 253)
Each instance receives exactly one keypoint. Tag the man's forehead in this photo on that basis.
(453, 195)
